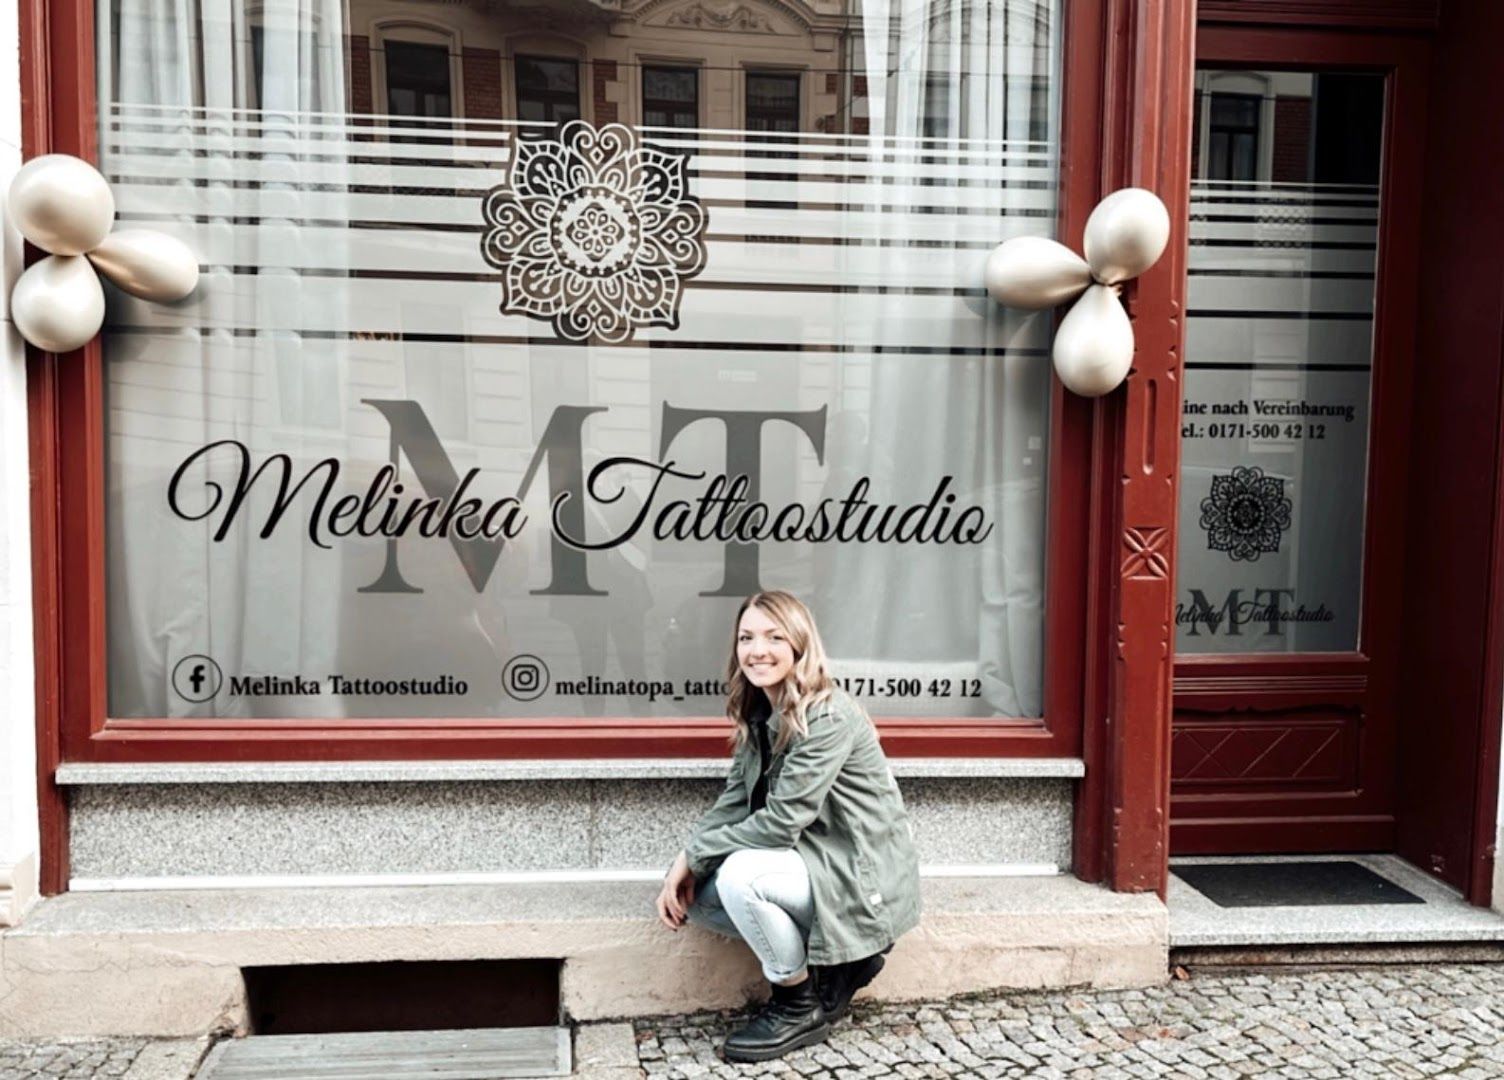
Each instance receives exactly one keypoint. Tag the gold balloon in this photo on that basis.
(151, 265)
(61, 204)
(1125, 235)
(1033, 272)
(1094, 344)
(57, 304)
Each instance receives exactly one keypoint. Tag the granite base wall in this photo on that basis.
(387, 827)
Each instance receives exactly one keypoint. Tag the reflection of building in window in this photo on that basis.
(671, 97)
(548, 89)
(775, 66)
(772, 105)
(1233, 137)
(1288, 127)
(417, 79)
(1037, 101)
(772, 101)
(937, 118)
(1261, 126)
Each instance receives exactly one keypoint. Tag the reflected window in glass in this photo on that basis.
(1234, 137)
(670, 97)
(417, 79)
(548, 89)
(772, 101)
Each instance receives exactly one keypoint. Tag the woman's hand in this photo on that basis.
(677, 894)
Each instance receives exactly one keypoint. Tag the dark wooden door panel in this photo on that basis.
(1291, 750)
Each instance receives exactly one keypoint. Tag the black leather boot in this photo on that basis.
(837, 984)
(792, 1018)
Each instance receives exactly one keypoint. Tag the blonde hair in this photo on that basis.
(808, 682)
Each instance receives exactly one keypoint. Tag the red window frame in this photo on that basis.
(66, 407)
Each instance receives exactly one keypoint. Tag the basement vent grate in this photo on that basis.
(478, 1054)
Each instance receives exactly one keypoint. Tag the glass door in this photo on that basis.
(1292, 449)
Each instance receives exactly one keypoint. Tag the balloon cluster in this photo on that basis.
(1125, 235)
(64, 206)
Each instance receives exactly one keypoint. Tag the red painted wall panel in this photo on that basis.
(1449, 747)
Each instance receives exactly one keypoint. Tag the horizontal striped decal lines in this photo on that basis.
(833, 266)
(188, 347)
(315, 125)
(1282, 269)
(186, 147)
(176, 389)
(1280, 298)
(813, 240)
(750, 284)
(825, 260)
(1025, 192)
(758, 320)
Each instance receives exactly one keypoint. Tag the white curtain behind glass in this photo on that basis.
(965, 85)
(214, 115)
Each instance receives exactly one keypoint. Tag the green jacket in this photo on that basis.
(832, 798)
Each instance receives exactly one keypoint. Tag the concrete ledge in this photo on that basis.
(168, 964)
(277, 772)
(443, 830)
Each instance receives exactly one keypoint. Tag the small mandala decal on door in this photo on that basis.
(594, 231)
(1246, 514)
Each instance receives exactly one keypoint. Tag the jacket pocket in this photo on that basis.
(879, 899)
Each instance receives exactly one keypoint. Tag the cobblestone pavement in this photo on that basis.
(1424, 1020)
(75, 1058)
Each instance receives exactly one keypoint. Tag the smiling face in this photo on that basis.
(763, 650)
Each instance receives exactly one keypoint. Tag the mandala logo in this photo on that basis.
(1246, 513)
(595, 232)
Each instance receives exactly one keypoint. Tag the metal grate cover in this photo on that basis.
(478, 1054)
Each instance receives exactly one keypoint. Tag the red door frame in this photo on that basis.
(1107, 586)
(1121, 834)
(1453, 687)
(1354, 14)
(1360, 817)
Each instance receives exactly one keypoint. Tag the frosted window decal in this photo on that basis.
(530, 339)
(1279, 337)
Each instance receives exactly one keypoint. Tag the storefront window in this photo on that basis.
(1279, 346)
(498, 410)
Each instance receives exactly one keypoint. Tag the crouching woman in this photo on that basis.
(807, 855)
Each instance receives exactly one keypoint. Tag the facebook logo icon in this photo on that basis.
(197, 678)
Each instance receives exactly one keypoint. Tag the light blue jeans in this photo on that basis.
(763, 897)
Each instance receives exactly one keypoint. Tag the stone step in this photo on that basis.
(169, 963)
(476, 1054)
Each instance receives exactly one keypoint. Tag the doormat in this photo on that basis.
(1291, 884)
